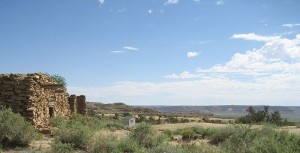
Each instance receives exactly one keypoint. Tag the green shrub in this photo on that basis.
(57, 121)
(241, 139)
(166, 148)
(221, 135)
(264, 140)
(78, 129)
(188, 134)
(198, 129)
(204, 132)
(127, 145)
(60, 147)
(185, 148)
(172, 120)
(115, 126)
(103, 143)
(15, 131)
(146, 136)
(73, 133)
(167, 133)
(57, 78)
(178, 132)
(209, 132)
(275, 142)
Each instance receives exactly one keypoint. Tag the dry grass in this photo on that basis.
(163, 127)
(291, 129)
(118, 133)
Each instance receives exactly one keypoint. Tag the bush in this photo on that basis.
(15, 131)
(188, 134)
(103, 143)
(185, 148)
(78, 130)
(221, 135)
(276, 142)
(57, 121)
(146, 136)
(240, 140)
(127, 145)
(115, 126)
(204, 132)
(165, 148)
(265, 140)
(60, 147)
(209, 132)
(167, 133)
(74, 134)
(57, 78)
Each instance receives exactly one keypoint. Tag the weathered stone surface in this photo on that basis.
(7, 93)
(38, 98)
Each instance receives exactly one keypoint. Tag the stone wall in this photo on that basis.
(72, 103)
(81, 105)
(78, 104)
(35, 96)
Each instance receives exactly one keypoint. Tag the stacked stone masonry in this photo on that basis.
(78, 104)
(81, 105)
(37, 97)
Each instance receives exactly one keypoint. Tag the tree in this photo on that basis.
(57, 78)
(276, 117)
(259, 116)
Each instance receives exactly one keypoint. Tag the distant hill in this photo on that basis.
(119, 108)
(292, 113)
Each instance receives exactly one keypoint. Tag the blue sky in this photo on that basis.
(159, 52)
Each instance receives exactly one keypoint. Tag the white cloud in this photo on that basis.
(150, 11)
(220, 2)
(290, 25)
(119, 51)
(192, 54)
(201, 42)
(277, 55)
(131, 48)
(121, 10)
(197, 1)
(269, 75)
(183, 75)
(101, 2)
(252, 36)
(171, 2)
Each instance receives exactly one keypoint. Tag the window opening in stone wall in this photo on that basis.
(51, 112)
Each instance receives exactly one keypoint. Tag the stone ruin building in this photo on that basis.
(38, 98)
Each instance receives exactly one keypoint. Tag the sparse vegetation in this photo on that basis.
(92, 134)
(78, 131)
(247, 139)
(15, 131)
(146, 136)
(57, 78)
(188, 134)
(263, 116)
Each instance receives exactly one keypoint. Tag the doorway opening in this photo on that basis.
(51, 112)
